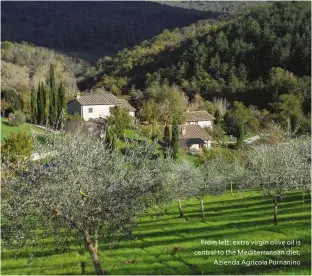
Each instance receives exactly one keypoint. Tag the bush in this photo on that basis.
(74, 123)
(227, 155)
(16, 147)
(151, 131)
(16, 119)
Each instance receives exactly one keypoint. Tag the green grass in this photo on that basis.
(6, 129)
(165, 243)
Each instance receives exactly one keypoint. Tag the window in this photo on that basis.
(90, 110)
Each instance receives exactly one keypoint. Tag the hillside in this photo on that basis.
(23, 66)
(216, 6)
(253, 57)
(92, 29)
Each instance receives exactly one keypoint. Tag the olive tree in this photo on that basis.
(213, 181)
(182, 181)
(277, 169)
(85, 193)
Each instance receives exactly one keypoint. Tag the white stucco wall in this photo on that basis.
(205, 123)
(208, 144)
(194, 146)
(201, 123)
(98, 111)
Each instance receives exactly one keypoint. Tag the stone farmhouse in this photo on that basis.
(193, 136)
(95, 106)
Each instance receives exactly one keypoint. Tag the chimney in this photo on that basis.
(183, 130)
(77, 95)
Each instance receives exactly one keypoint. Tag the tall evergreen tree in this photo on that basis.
(218, 117)
(240, 134)
(175, 139)
(293, 123)
(53, 97)
(46, 96)
(40, 105)
(61, 104)
(166, 140)
(33, 105)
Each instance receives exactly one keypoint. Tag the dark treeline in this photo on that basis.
(217, 6)
(92, 29)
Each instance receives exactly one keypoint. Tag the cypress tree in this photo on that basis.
(40, 105)
(293, 123)
(46, 98)
(218, 117)
(53, 97)
(175, 139)
(240, 134)
(166, 140)
(33, 104)
(61, 104)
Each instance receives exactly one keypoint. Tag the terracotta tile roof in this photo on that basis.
(125, 103)
(194, 132)
(98, 99)
(194, 116)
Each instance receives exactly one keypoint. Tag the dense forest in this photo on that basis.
(92, 29)
(217, 6)
(254, 57)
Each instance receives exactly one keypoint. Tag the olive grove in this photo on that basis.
(85, 193)
(277, 169)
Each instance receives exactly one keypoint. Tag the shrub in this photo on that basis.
(119, 120)
(152, 131)
(74, 123)
(18, 118)
(16, 147)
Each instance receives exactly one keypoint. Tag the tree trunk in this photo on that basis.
(275, 210)
(180, 208)
(83, 268)
(96, 239)
(93, 253)
(202, 209)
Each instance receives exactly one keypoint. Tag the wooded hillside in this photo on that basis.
(24, 66)
(254, 57)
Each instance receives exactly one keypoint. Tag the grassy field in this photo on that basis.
(165, 243)
(6, 129)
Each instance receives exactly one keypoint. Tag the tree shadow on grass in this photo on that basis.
(250, 212)
(232, 230)
(36, 269)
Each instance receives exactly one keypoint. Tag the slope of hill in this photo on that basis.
(91, 29)
(254, 57)
(216, 6)
(23, 66)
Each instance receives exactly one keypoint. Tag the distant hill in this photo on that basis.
(91, 29)
(229, 7)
